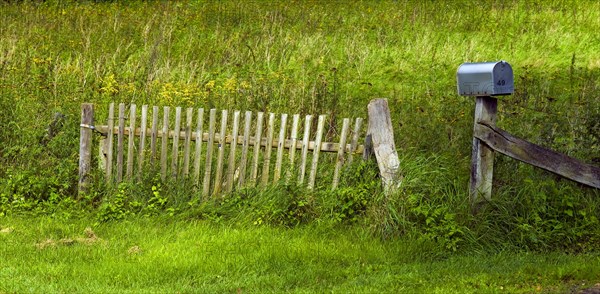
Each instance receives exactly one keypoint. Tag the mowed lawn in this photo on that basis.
(143, 255)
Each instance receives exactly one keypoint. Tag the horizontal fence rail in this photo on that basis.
(222, 150)
(488, 138)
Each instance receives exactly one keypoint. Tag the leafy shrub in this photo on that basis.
(157, 202)
(359, 185)
(117, 206)
(286, 205)
(547, 215)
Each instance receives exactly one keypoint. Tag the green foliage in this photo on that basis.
(290, 210)
(546, 216)
(323, 57)
(284, 204)
(116, 207)
(359, 186)
(157, 203)
(439, 224)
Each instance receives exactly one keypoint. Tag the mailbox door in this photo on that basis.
(503, 79)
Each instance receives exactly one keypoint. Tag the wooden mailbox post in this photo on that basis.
(484, 80)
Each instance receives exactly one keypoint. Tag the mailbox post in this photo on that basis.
(483, 80)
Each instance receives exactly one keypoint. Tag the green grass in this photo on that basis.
(308, 57)
(143, 255)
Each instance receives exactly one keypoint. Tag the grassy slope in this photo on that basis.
(308, 57)
(144, 255)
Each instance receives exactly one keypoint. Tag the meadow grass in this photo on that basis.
(149, 255)
(307, 57)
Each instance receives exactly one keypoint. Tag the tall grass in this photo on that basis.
(321, 57)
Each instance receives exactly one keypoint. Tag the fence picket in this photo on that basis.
(164, 141)
(175, 152)
(280, 147)
(153, 135)
(305, 143)
(268, 145)
(131, 138)
(232, 147)
(209, 148)
(109, 142)
(354, 142)
(316, 150)
(257, 143)
(141, 152)
(245, 144)
(293, 141)
(120, 138)
(340, 154)
(221, 154)
(188, 139)
(198, 153)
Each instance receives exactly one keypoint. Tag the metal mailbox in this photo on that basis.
(485, 79)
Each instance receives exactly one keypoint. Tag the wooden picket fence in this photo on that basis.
(217, 160)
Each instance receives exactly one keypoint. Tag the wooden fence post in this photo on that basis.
(482, 156)
(85, 146)
(381, 135)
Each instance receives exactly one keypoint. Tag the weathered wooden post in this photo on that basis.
(483, 80)
(482, 156)
(380, 141)
(85, 146)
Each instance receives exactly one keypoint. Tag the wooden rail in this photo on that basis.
(538, 156)
(488, 138)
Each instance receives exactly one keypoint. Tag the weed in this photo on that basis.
(117, 207)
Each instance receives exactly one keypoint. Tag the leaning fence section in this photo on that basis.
(223, 150)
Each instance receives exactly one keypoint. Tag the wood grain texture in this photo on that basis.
(536, 155)
(355, 136)
(340, 155)
(280, 147)
(143, 130)
(232, 147)
(293, 145)
(315, 160)
(382, 136)
(131, 138)
(245, 146)
(257, 140)
(120, 139)
(209, 149)
(154, 135)
(269, 143)
(164, 143)
(85, 146)
(189, 115)
(175, 150)
(198, 137)
(221, 153)
(482, 156)
(110, 142)
(305, 143)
